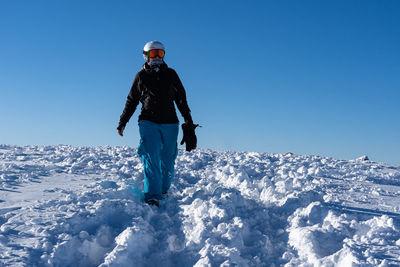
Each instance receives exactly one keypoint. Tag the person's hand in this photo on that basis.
(189, 136)
(121, 130)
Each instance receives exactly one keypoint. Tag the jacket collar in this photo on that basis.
(147, 67)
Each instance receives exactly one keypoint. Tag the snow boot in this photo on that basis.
(153, 202)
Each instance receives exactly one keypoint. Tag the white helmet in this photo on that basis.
(150, 46)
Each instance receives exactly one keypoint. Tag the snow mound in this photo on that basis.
(80, 206)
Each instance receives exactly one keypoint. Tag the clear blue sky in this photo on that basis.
(310, 77)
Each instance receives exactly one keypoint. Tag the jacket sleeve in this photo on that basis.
(131, 103)
(180, 98)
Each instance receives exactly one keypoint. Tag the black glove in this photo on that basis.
(189, 136)
(121, 126)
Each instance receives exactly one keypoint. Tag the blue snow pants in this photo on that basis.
(158, 149)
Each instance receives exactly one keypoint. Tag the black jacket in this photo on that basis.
(157, 91)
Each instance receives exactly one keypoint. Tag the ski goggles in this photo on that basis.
(156, 52)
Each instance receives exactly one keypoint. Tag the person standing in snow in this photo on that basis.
(157, 87)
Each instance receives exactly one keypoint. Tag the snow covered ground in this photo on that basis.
(80, 206)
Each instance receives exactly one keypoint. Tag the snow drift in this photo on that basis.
(80, 206)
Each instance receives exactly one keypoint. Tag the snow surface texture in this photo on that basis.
(79, 206)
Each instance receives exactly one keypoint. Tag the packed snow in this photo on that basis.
(83, 206)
